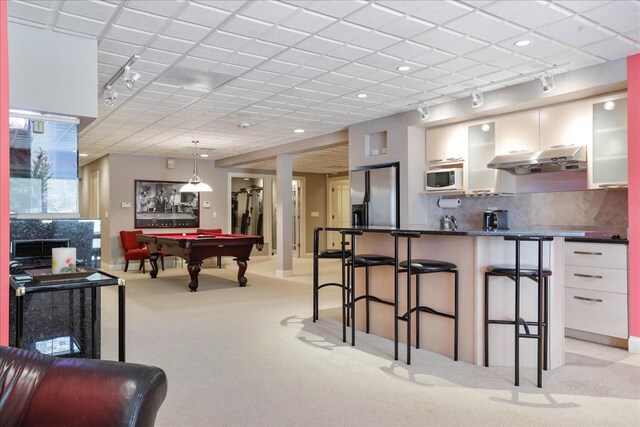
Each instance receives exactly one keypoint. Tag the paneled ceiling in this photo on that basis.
(302, 64)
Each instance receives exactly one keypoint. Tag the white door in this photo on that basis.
(339, 211)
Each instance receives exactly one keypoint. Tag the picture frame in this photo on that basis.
(160, 204)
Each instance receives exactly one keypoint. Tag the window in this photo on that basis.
(43, 165)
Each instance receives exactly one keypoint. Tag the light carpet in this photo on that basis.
(252, 357)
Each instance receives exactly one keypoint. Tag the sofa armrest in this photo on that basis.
(83, 392)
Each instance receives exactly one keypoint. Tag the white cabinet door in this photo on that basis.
(447, 144)
(608, 153)
(566, 124)
(479, 179)
(518, 132)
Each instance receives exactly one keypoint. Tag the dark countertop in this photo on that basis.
(598, 240)
(531, 232)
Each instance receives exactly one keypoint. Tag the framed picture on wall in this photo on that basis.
(160, 204)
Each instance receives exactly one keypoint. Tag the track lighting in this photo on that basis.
(195, 184)
(130, 77)
(110, 96)
(548, 84)
(423, 109)
(476, 98)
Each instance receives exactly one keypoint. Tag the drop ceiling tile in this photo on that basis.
(318, 44)
(79, 24)
(437, 37)
(545, 49)
(185, 31)
(211, 53)
(509, 9)
(205, 16)
(111, 59)
(233, 70)
(337, 9)
(612, 48)
(128, 35)
(326, 63)
(296, 56)
(246, 26)
(118, 48)
(308, 21)
(382, 61)
(98, 10)
(373, 16)
(435, 12)
(277, 66)
(260, 75)
(334, 78)
(163, 8)
(359, 83)
(620, 16)
(197, 63)
(432, 57)
(376, 40)
(349, 52)
(407, 49)
(463, 45)
(429, 73)
(141, 21)
(473, 21)
(536, 39)
(478, 70)
(634, 35)
(488, 54)
(284, 36)
(499, 76)
(262, 48)
(581, 6)
(31, 12)
(578, 30)
(244, 59)
(306, 72)
(406, 28)
(451, 79)
(159, 56)
(457, 64)
(268, 11)
(344, 32)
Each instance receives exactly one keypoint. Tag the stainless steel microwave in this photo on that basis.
(444, 179)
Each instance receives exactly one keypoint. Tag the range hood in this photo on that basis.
(560, 159)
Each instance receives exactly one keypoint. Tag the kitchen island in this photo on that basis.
(472, 251)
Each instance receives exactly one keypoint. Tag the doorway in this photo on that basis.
(338, 209)
(247, 201)
(297, 217)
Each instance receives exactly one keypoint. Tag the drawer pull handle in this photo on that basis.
(591, 276)
(587, 299)
(586, 253)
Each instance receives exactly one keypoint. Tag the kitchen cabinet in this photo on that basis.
(566, 124)
(446, 144)
(518, 132)
(479, 179)
(607, 156)
(595, 278)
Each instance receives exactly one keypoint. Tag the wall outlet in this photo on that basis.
(126, 204)
(206, 204)
(215, 214)
(315, 214)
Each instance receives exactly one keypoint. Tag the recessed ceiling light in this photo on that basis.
(609, 105)
(83, 155)
(522, 43)
(362, 95)
(403, 68)
(299, 130)
(204, 155)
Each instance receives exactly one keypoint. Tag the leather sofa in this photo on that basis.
(39, 390)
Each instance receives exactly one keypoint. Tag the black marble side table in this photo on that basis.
(23, 284)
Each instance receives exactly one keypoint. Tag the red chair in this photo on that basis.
(213, 232)
(134, 250)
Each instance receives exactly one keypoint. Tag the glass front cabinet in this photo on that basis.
(608, 154)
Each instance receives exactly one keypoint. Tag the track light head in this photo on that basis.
(130, 77)
(110, 97)
(476, 98)
(423, 109)
(548, 83)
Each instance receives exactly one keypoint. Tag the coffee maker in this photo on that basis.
(495, 220)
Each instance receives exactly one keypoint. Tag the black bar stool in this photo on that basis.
(515, 272)
(418, 267)
(350, 263)
(326, 254)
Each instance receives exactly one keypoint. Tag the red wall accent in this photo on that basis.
(4, 176)
(633, 143)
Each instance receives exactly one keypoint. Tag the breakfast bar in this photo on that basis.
(472, 251)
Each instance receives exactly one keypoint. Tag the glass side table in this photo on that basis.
(23, 284)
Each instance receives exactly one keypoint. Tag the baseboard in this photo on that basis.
(634, 344)
(597, 338)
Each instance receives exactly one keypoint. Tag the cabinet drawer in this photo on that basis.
(597, 312)
(603, 255)
(596, 279)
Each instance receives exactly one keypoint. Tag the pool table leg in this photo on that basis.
(153, 260)
(242, 267)
(194, 269)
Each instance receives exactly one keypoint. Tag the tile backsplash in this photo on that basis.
(595, 210)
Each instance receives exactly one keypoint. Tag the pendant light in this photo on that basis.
(195, 184)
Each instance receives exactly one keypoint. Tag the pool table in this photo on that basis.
(195, 248)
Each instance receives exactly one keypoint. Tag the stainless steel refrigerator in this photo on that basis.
(375, 196)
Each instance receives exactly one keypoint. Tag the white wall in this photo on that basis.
(53, 72)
